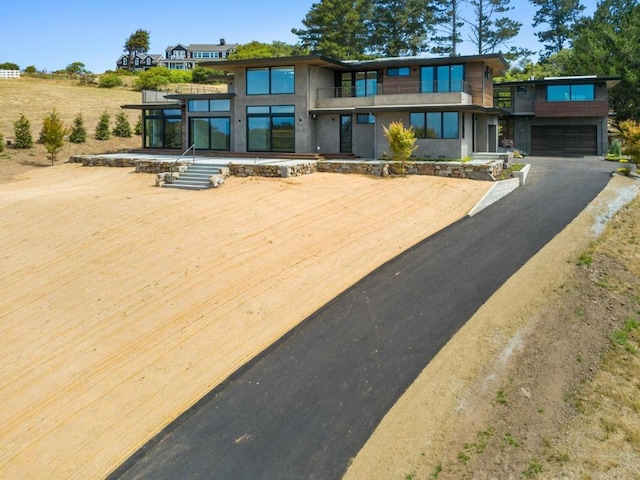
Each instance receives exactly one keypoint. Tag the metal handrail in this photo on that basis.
(193, 160)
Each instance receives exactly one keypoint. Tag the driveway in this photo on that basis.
(306, 406)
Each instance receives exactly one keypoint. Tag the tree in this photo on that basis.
(122, 128)
(448, 27)
(22, 133)
(1, 143)
(52, 135)
(110, 80)
(488, 33)
(607, 45)
(630, 133)
(9, 66)
(138, 42)
(400, 27)
(559, 15)
(137, 129)
(31, 69)
(402, 142)
(336, 28)
(78, 132)
(153, 78)
(204, 75)
(255, 49)
(102, 128)
(75, 68)
(556, 65)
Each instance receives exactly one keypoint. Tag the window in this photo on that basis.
(570, 93)
(435, 124)
(217, 105)
(162, 128)
(211, 133)
(271, 128)
(346, 134)
(270, 81)
(366, 118)
(398, 72)
(125, 60)
(522, 90)
(443, 78)
(366, 84)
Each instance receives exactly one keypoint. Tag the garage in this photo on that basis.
(562, 140)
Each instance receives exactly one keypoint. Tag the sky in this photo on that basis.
(51, 34)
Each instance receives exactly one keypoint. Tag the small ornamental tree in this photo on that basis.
(1, 143)
(630, 133)
(402, 142)
(52, 135)
(138, 127)
(102, 128)
(122, 128)
(22, 133)
(78, 132)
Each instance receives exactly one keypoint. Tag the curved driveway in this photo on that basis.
(308, 404)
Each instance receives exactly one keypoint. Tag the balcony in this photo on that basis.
(405, 93)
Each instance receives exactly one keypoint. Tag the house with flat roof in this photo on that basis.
(318, 105)
(556, 116)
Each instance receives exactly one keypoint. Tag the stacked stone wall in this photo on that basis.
(272, 170)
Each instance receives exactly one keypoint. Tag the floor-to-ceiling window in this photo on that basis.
(271, 128)
(442, 78)
(346, 134)
(162, 128)
(207, 132)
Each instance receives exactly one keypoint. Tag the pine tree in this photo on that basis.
(138, 127)
(22, 133)
(336, 28)
(488, 33)
(52, 135)
(559, 15)
(449, 25)
(78, 132)
(122, 128)
(102, 128)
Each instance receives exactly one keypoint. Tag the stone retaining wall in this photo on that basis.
(475, 171)
(141, 166)
(272, 170)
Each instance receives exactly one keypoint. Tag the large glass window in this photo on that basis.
(435, 124)
(162, 128)
(211, 133)
(217, 105)
(366, 84)
(271, 128)
(570, 93)
(270, 80)
(443, 78)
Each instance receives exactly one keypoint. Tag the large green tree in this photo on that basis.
(257, 49)
(489, 31)
(336, 28)
(448, 25)
(607, 44)
(400, 27)
(138, 42)
(559, 16)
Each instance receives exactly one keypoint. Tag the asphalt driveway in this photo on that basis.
(306, 406)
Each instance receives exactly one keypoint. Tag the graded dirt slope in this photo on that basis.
(123, 303)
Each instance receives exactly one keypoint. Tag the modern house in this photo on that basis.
(179, 57)
(556, 116)
(319, 105)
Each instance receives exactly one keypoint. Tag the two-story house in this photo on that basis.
(177, 57)
(556, 116)
(315, 104)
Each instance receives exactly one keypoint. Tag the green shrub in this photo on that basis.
(1, 143)
(122, 128)
(153, 78)
(110, 80)
(22, 133)
(102, 128)
(181, 76)
(78, 132)
(138, 127)
(52, 135)
(402, 142)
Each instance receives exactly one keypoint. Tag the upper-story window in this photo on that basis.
(270, 80)
(442, 78)
(148, 60)
(214, 105)
(125, 60)
(570, 93)
(398, 71)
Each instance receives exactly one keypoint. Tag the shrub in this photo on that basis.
(630, 133)
(122, 128)
(402, 142)
(102, 128)
(153, 78)
(110, 80)
(78, 132)
(52, 135)
(138, 127)
(1, 143)
(22, 133)
(181, 76)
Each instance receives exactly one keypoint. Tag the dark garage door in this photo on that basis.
(564, 140)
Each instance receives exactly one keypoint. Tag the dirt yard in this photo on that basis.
(125, 303)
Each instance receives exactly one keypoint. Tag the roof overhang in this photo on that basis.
(409, 108)
(200, 96)
(610, 81)
(151, 106)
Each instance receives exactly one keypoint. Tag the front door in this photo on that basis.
(346, 134)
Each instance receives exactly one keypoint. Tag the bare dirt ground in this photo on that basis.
(128, 303)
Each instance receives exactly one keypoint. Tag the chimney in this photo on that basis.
(222, 41)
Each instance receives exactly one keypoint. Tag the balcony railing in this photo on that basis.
(455, 86)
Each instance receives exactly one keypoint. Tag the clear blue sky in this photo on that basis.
(51, 34)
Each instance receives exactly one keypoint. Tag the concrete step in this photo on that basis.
(195, 177)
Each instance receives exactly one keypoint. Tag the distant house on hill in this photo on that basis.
(179, 57)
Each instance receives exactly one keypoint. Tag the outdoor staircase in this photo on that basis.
(195, 177)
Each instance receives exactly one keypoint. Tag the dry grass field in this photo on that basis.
(124, 303)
